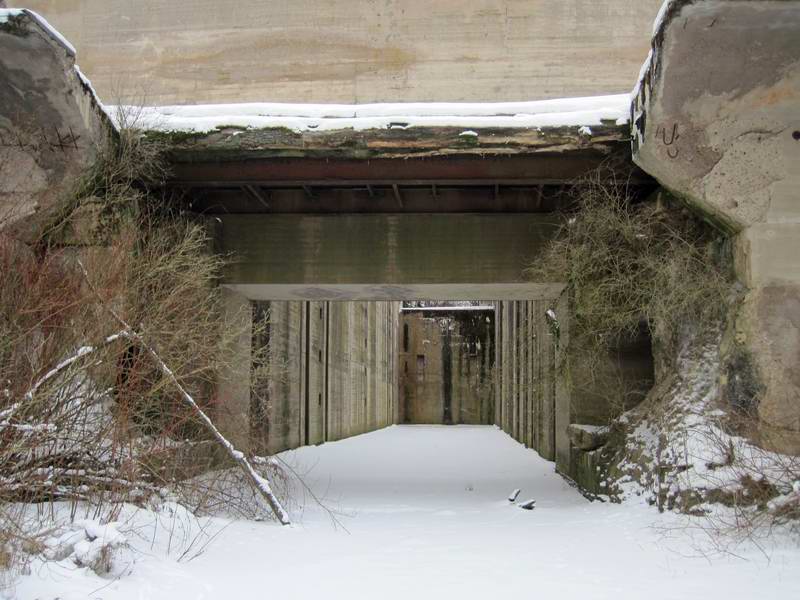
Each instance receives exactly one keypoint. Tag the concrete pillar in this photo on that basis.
(540, 374)
(233, 387)
(530, 340)
(515, 373)
(315, 371)
(498, 367)
(563, 413)
(522, 327)
(371, 421)
(723, 133)
(507, 368)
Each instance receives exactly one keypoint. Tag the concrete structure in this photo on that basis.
(532, 398)
(717, 123)
(201, 51)
(372, 256)
(310, 372)
(268, 202)
(50, 124)
(378, 214)
(446, 366)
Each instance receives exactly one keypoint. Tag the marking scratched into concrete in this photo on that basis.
(51, 140)
(674, 136)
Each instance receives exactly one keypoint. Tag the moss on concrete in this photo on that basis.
(175, 138)
(233, 143)
(16, 25)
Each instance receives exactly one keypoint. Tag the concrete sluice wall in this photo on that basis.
(322, 371)
(347, 51)
(446, 367)
(533, 404)
(317, 371)
(325, 371)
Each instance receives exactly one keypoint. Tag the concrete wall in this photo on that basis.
(382, 249)
(233, 388)
(50, 125)
(604, 386)
(445, 367)
(200, 51)
(532, 399)
(717, 124)
(321, 371)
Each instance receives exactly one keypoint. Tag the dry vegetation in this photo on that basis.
(108, 323)
(634, 270)
(652, 267)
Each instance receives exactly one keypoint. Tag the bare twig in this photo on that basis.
(259, 483)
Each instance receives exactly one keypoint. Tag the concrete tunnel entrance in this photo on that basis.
(322, 370)
(325, 254)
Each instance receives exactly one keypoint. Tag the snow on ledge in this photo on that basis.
(658, 24)
(446, 309)
(7, 14)
(567, 112)
(590, 429)
(10, 13)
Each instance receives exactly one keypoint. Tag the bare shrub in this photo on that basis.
(632, 269)
(89, 411)
(758, 489)
(650, 266)
(82, 403)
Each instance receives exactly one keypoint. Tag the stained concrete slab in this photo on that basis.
(389, 250)
(348, 51)
(716, 122)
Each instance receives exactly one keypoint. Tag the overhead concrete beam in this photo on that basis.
(239, 143)
(381, 251)
(410, 291)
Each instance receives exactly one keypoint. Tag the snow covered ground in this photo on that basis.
(424, 514)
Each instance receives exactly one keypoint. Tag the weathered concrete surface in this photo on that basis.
(532, 397)
(587, 437)
(232, 404)
(716, 122)
(392, 250)
(316, 372)
(446, 361)
(350, 51)
(400, 141)
(715, 118)
(387, 291)
(50, 122)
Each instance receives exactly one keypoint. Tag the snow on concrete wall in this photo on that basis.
(51, 123)
(716, 123)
